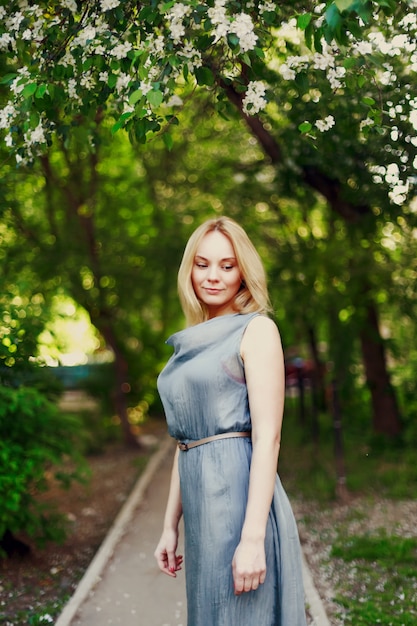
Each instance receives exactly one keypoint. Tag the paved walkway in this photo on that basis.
(123, 584)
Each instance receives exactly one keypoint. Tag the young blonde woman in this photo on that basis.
(223, 395)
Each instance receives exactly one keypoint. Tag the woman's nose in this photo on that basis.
(212, 273)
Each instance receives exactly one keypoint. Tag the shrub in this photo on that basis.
(34, 438)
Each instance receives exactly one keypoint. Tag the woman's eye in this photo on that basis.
(201, 265)
(227, 267)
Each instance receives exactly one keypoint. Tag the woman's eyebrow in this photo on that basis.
(203, 258)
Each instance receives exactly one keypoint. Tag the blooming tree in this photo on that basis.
(76, 61)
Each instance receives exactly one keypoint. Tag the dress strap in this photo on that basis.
(200, 442)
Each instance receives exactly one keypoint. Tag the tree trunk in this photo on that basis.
(122, 386)
(386, 418)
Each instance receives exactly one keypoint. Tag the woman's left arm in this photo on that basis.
(262, 354)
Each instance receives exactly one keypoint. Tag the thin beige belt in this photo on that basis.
(200, 442)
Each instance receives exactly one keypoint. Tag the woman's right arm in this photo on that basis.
(166, 550)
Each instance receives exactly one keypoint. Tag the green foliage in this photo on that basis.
(388, 550)
(34, 439)
(103, 60)
(374, 465)
(383, 589)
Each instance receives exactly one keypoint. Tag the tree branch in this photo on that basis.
(329, 188)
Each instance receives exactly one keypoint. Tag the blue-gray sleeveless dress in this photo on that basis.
(204, 393)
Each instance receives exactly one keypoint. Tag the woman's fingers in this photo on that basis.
(248, 583)
(168, 562)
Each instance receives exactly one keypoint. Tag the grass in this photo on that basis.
(383, 586)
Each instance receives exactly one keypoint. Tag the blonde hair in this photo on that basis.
(253, 295)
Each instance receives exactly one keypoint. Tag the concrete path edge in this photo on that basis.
(95, 569)
(105, 552)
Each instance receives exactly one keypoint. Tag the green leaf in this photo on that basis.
(167, 6)
(368, 101)
(333, 17)
(7, 78)
(302, 82)
(112, 80)
(259, 53)
(246, 59)
(344, 5)
(154, 97)
(233, 40)
(391, 5)
(304, 20)
(308, 35)
(135, 97)
(204, 76)
(349, 63)
(121, 121)
(29, 90)
(305, 127)
(168, 140)
(41, 90)
(34, 119)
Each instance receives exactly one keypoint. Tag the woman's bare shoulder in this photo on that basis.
(261, 331)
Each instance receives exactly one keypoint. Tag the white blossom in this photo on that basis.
(366, 122)
(145, 87)
(103, 77)
(2, 13)
(87, 82)
(13, 22)
(325, 124)
(177, 30)
(6, 115)
(217, 14)
(67, 60)
(175, 101)
(323, 61)
(194, 55)
(157, 45)
(122, 82)
(72, 89)
(254, 100)
(221, 30)
(409, 20)
(334, 75)
(17, 85)
(27, 35)
(100, 50)
(86, 34)
(298, 62)
(8, 140)
(107, 5)
(286, 72)
(120, 51)
(267, 7)
(35, 136)
(71, 5)
(363, 47)
(179, 11)
(242, 26)
(5, 41)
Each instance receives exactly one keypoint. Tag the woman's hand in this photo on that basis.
(249, 566)
(165, 553)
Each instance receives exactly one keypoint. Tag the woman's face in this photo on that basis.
(215, 275)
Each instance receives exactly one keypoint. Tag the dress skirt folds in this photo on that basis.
(204, 393)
